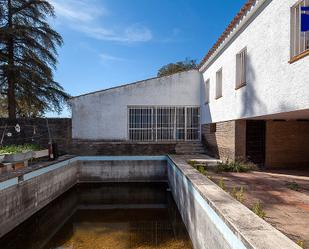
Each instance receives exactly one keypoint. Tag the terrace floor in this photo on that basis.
(286, 209)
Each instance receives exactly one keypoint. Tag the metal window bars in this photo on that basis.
(163, 123)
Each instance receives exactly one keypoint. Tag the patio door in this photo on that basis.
(255, 141)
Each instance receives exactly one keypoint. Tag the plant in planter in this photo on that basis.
(17, 153)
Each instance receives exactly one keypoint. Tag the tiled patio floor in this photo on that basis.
(286, 209)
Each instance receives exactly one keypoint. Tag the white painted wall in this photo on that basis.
(273, 85)
(103, 115)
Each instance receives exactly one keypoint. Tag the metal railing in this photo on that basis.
(163, 123)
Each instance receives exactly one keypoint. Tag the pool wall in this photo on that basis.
(20, 198)
(122, 170)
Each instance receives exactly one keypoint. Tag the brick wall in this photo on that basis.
(35, 130)
(219, 139)
(226, 140)
(287, 144)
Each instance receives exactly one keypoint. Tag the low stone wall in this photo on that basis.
(214, 219)
(34, 130)
(110, 148)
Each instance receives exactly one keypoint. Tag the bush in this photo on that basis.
(221, 184)
(202, 169)
(257, 208)
(13, 149)
(300, 243)
(239, 195)
(197, 165)
(235, 166)
(293, 186)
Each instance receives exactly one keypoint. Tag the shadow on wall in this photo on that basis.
(251, 104)
(208, 138)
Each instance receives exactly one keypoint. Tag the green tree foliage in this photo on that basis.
(177, 67)
(25, 108)
(28, 57)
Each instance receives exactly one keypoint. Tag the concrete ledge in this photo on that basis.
(213, 218)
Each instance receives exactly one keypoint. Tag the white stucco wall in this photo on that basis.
(273, 85)
(103, 115)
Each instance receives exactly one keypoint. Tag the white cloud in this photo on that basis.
(133, 33)
(77, 10)
(85, 16)
(107, 57)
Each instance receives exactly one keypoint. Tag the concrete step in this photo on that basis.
(188, 147)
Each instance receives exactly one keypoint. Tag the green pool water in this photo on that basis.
(104, 216)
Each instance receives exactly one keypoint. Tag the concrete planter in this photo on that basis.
(40, 153)
(1, 158)
(18, 157)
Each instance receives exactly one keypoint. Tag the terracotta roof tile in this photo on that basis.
(243, 11)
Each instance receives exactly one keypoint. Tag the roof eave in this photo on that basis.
(253, 6)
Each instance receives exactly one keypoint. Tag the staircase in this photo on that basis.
(190, 148)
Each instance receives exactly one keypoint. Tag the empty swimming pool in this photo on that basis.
(103, 216)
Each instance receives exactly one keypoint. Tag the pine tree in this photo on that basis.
(28, 57)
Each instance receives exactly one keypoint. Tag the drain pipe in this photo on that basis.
(2, 137)
(50, 144)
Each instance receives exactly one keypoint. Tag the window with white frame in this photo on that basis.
(241, 64)
(299, 39)
(207, 82)
(219, 84)
(163, 123)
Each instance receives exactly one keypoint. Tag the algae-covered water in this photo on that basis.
(104, 216)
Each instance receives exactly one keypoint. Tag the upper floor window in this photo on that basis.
(219, 84)
(207, 82)
(299, 38)
(241, 61)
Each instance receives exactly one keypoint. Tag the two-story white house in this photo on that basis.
(256, 86)
(249, 98)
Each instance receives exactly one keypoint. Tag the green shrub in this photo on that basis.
(192, 163)
(293, 186)
(13, 149)
(239, 195)
(221, 184)
(202, 169)
(257, 208)
(210, 178)
(300, 243)
(235, 166)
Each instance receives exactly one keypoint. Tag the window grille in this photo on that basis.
(163, 123)
(207, 82)
(299, 40)
(241, 62)
(219, 84)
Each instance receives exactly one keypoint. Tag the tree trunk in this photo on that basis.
(11, 74)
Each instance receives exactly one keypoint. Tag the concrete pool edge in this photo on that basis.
(236, 226)
(239, 222)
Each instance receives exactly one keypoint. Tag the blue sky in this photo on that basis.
(112, 42)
